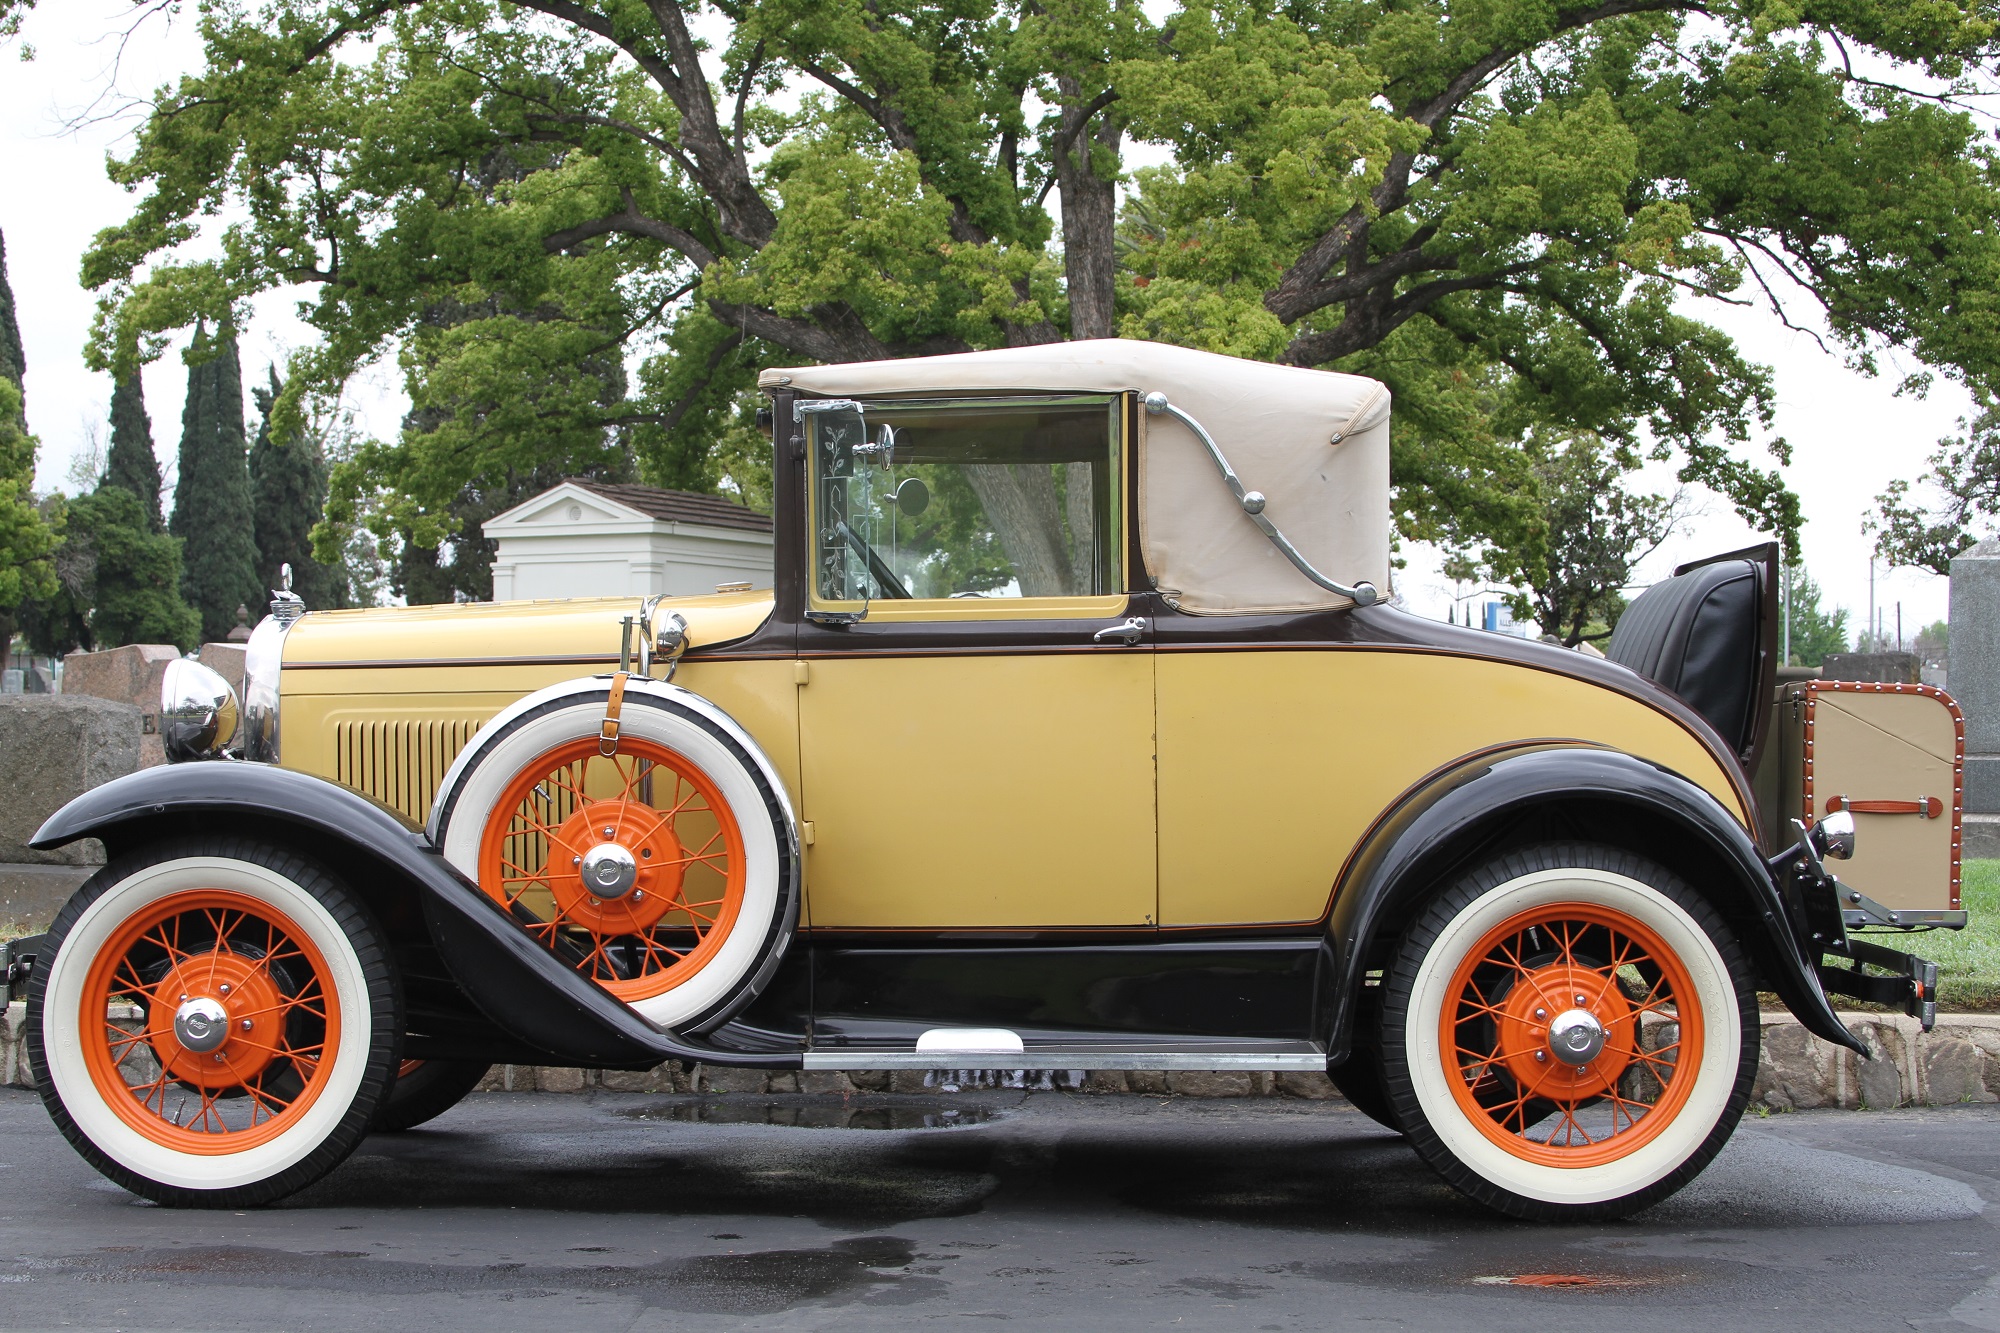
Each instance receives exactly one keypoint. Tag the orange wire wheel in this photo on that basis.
(1573, 1035)
(209, 1022)
(629, 865)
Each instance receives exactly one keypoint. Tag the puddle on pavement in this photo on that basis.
(798, 1113)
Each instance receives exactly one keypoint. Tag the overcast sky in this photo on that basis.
(62, 113)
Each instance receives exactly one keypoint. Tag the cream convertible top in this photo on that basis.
(1316, 443)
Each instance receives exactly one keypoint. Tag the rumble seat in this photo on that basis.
(1697, 635)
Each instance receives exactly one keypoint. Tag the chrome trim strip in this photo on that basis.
(263, 670)
(1361, 594)
(379, 663)
(1278, 1057)
(1904, 917)
(1858, 909)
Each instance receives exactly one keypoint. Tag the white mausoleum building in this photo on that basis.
(592, 539)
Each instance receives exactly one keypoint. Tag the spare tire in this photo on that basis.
(667, 870)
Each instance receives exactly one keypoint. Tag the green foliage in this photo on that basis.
(1814, 632)
(213, 513)
(118, 581)
(1965, 475)
(13, 363)
(26, 537)
(1595, 532)
(131, 462)
(288, 490)
(55, 617)
(1969, 960)
(1496, 206)
(136, 598)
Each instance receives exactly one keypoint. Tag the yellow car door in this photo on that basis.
(975, 712)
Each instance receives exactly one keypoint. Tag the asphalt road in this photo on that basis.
(625, 1212)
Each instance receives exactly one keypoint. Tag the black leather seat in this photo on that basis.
(1698, 635)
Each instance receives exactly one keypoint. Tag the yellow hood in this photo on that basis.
(574, 629)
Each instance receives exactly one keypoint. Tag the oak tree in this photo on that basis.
(1500, 207)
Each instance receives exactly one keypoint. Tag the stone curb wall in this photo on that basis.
(1957, 1061)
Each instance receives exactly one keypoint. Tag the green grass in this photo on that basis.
(1968, 960)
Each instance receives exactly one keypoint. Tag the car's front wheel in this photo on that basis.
(216, 1022)
(1569, 1033)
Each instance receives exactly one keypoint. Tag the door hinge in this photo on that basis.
(801, 672)
(806, 832)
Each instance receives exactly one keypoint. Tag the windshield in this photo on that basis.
(846, 511)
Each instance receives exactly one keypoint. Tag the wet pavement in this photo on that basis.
(635, 1212)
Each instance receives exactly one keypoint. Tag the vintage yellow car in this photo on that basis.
(1076, 733)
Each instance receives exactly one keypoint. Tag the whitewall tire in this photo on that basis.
(1569, 1033)
(685, 805)
(215, 1021)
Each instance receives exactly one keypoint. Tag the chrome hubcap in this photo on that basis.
(201, 1024)
(609, 870)
(1576, 1037)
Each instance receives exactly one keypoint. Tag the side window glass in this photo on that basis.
(988, 498)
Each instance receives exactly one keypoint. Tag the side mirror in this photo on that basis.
(912, 496)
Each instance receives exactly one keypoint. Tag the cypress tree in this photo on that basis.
(213, 514)
(120, 581)
(137, 598)
(131, 462)
(13, 362)
(288, 481)
(25, 536)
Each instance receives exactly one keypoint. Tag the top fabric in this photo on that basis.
(1315, 442)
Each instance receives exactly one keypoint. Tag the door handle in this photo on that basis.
(1127, 633)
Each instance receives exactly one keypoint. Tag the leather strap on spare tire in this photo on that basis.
(607, 731)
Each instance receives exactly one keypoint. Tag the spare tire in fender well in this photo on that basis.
(1556, 790)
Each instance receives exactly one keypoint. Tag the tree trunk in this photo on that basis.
(1020, 503)
(1089, 216)
(1083, 535)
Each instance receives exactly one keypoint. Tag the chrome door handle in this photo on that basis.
(1128, 633)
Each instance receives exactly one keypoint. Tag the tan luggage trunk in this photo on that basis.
(1894, 756)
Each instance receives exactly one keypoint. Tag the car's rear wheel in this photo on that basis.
(1570, 1033)
(662, 870)
(423, 1091)
(216, 1022)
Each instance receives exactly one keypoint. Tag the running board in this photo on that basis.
(989, 1049)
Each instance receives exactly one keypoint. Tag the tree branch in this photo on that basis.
(750, 71)
(902, 138)
(1369, 322)
(630, 221)
(1061, 143)
(1300, 292)
(672, 416)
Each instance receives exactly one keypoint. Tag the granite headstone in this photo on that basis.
(1974, 673)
